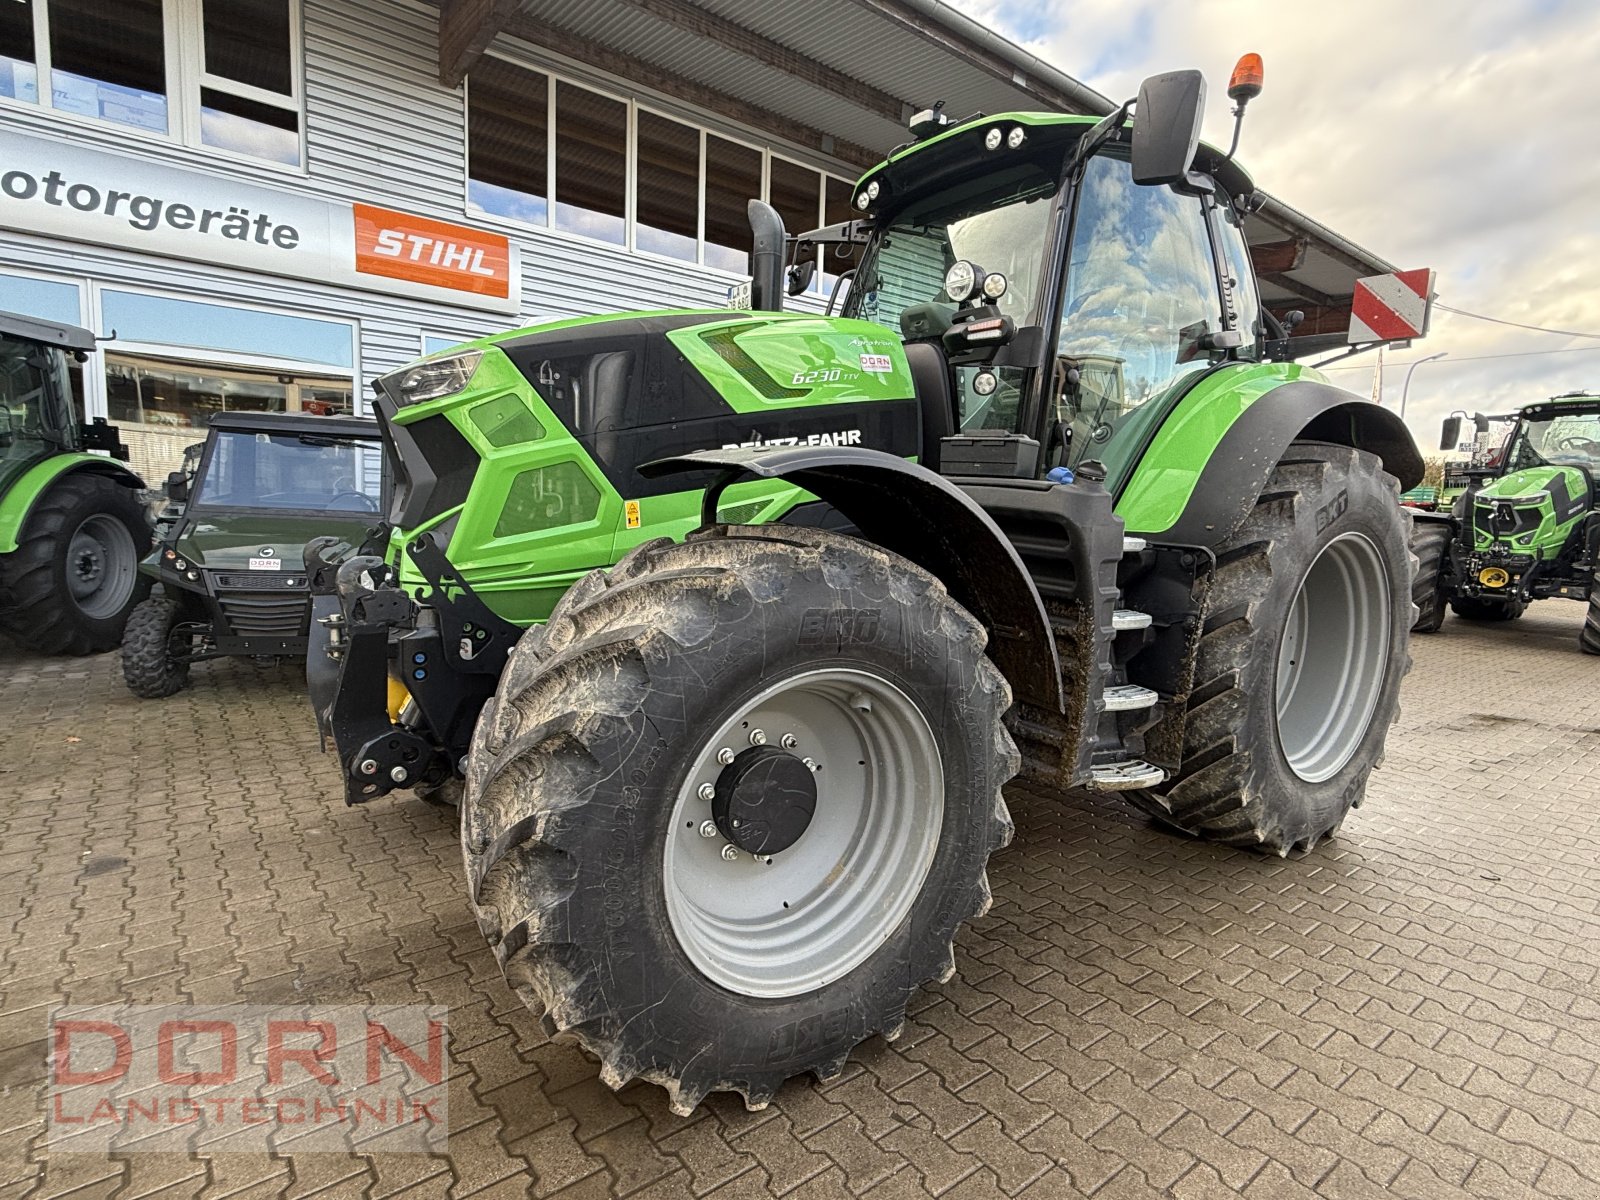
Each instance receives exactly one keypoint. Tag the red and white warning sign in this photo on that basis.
(1391, 308)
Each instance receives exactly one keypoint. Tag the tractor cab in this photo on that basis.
(1058, 283)
(41, 412)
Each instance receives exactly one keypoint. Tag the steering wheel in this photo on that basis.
(1581, 445)
(366, 502)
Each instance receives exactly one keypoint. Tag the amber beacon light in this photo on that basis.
(1244, 85)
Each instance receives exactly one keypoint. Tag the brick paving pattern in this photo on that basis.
(1413, 1010)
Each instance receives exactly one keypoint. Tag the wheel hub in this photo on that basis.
(765, 800)
(90, 566)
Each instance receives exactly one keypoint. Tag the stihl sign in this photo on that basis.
(1391, 308)
(401, 246)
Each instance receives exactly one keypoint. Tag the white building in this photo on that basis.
(262, 204)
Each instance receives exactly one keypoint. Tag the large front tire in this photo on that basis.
(1301, 655)
(73, 580)
(603, 779)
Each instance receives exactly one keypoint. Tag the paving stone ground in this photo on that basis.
(1413, 1010)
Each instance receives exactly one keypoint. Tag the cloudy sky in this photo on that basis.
(1462, 135)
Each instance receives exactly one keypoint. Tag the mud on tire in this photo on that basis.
(1236, 784)
(601, 716)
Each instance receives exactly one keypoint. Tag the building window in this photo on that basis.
(508, 152)
(591, 163)
(668, 181)
(733, 177)
(108, 62)
(174, 363)
(689, 186)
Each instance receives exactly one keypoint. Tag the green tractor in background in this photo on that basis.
(728, 797)
(72, 528)
(1526, 527)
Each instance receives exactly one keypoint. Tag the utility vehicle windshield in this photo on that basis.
(1571, 439)
(288, 471)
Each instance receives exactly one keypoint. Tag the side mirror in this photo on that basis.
(1450, 435)
(1166, 126)
(178, 487)
(801, 275)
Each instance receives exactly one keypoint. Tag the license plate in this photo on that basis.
(266, 564)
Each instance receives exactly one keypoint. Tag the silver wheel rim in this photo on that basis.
(794, 921)
(101, 566)
(1333, 657)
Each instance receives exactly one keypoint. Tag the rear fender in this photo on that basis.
(909, 510)
(1243, 458)
(20, 498)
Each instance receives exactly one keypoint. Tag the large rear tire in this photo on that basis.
(690, 684)
(74, 578)
(1430, 543)
(1301, 655)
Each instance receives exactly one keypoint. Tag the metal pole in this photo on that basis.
(1406, 386)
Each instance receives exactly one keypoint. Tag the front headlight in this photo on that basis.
(432, 378)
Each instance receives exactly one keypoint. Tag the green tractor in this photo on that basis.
(72, 528)
(728, 797)
(231, 542)
(1526, 527)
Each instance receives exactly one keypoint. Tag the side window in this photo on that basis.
(1239, 278)
(1141, 293)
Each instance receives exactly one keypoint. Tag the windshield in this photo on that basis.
(1572, 439)
(289, 471)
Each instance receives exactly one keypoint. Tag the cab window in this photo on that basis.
(1140, 297)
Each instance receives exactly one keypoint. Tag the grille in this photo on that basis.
(264, 581)
(253, 615)
(722, 341)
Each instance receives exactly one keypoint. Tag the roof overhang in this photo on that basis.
(838, 79)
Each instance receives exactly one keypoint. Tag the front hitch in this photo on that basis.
(368, 635)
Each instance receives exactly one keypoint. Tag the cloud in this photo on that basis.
(1457, 136)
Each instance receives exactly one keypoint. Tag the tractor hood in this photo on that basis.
(633, 388)
(1528, 511)
(242, 542)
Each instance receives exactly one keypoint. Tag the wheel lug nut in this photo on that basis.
(758, 737)
(730, 852)
(724, 756)
(812, 764)
(708, 791)
(708, 829)
(790, 741)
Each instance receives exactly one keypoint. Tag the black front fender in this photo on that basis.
(921, 516)
(1244, 458)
